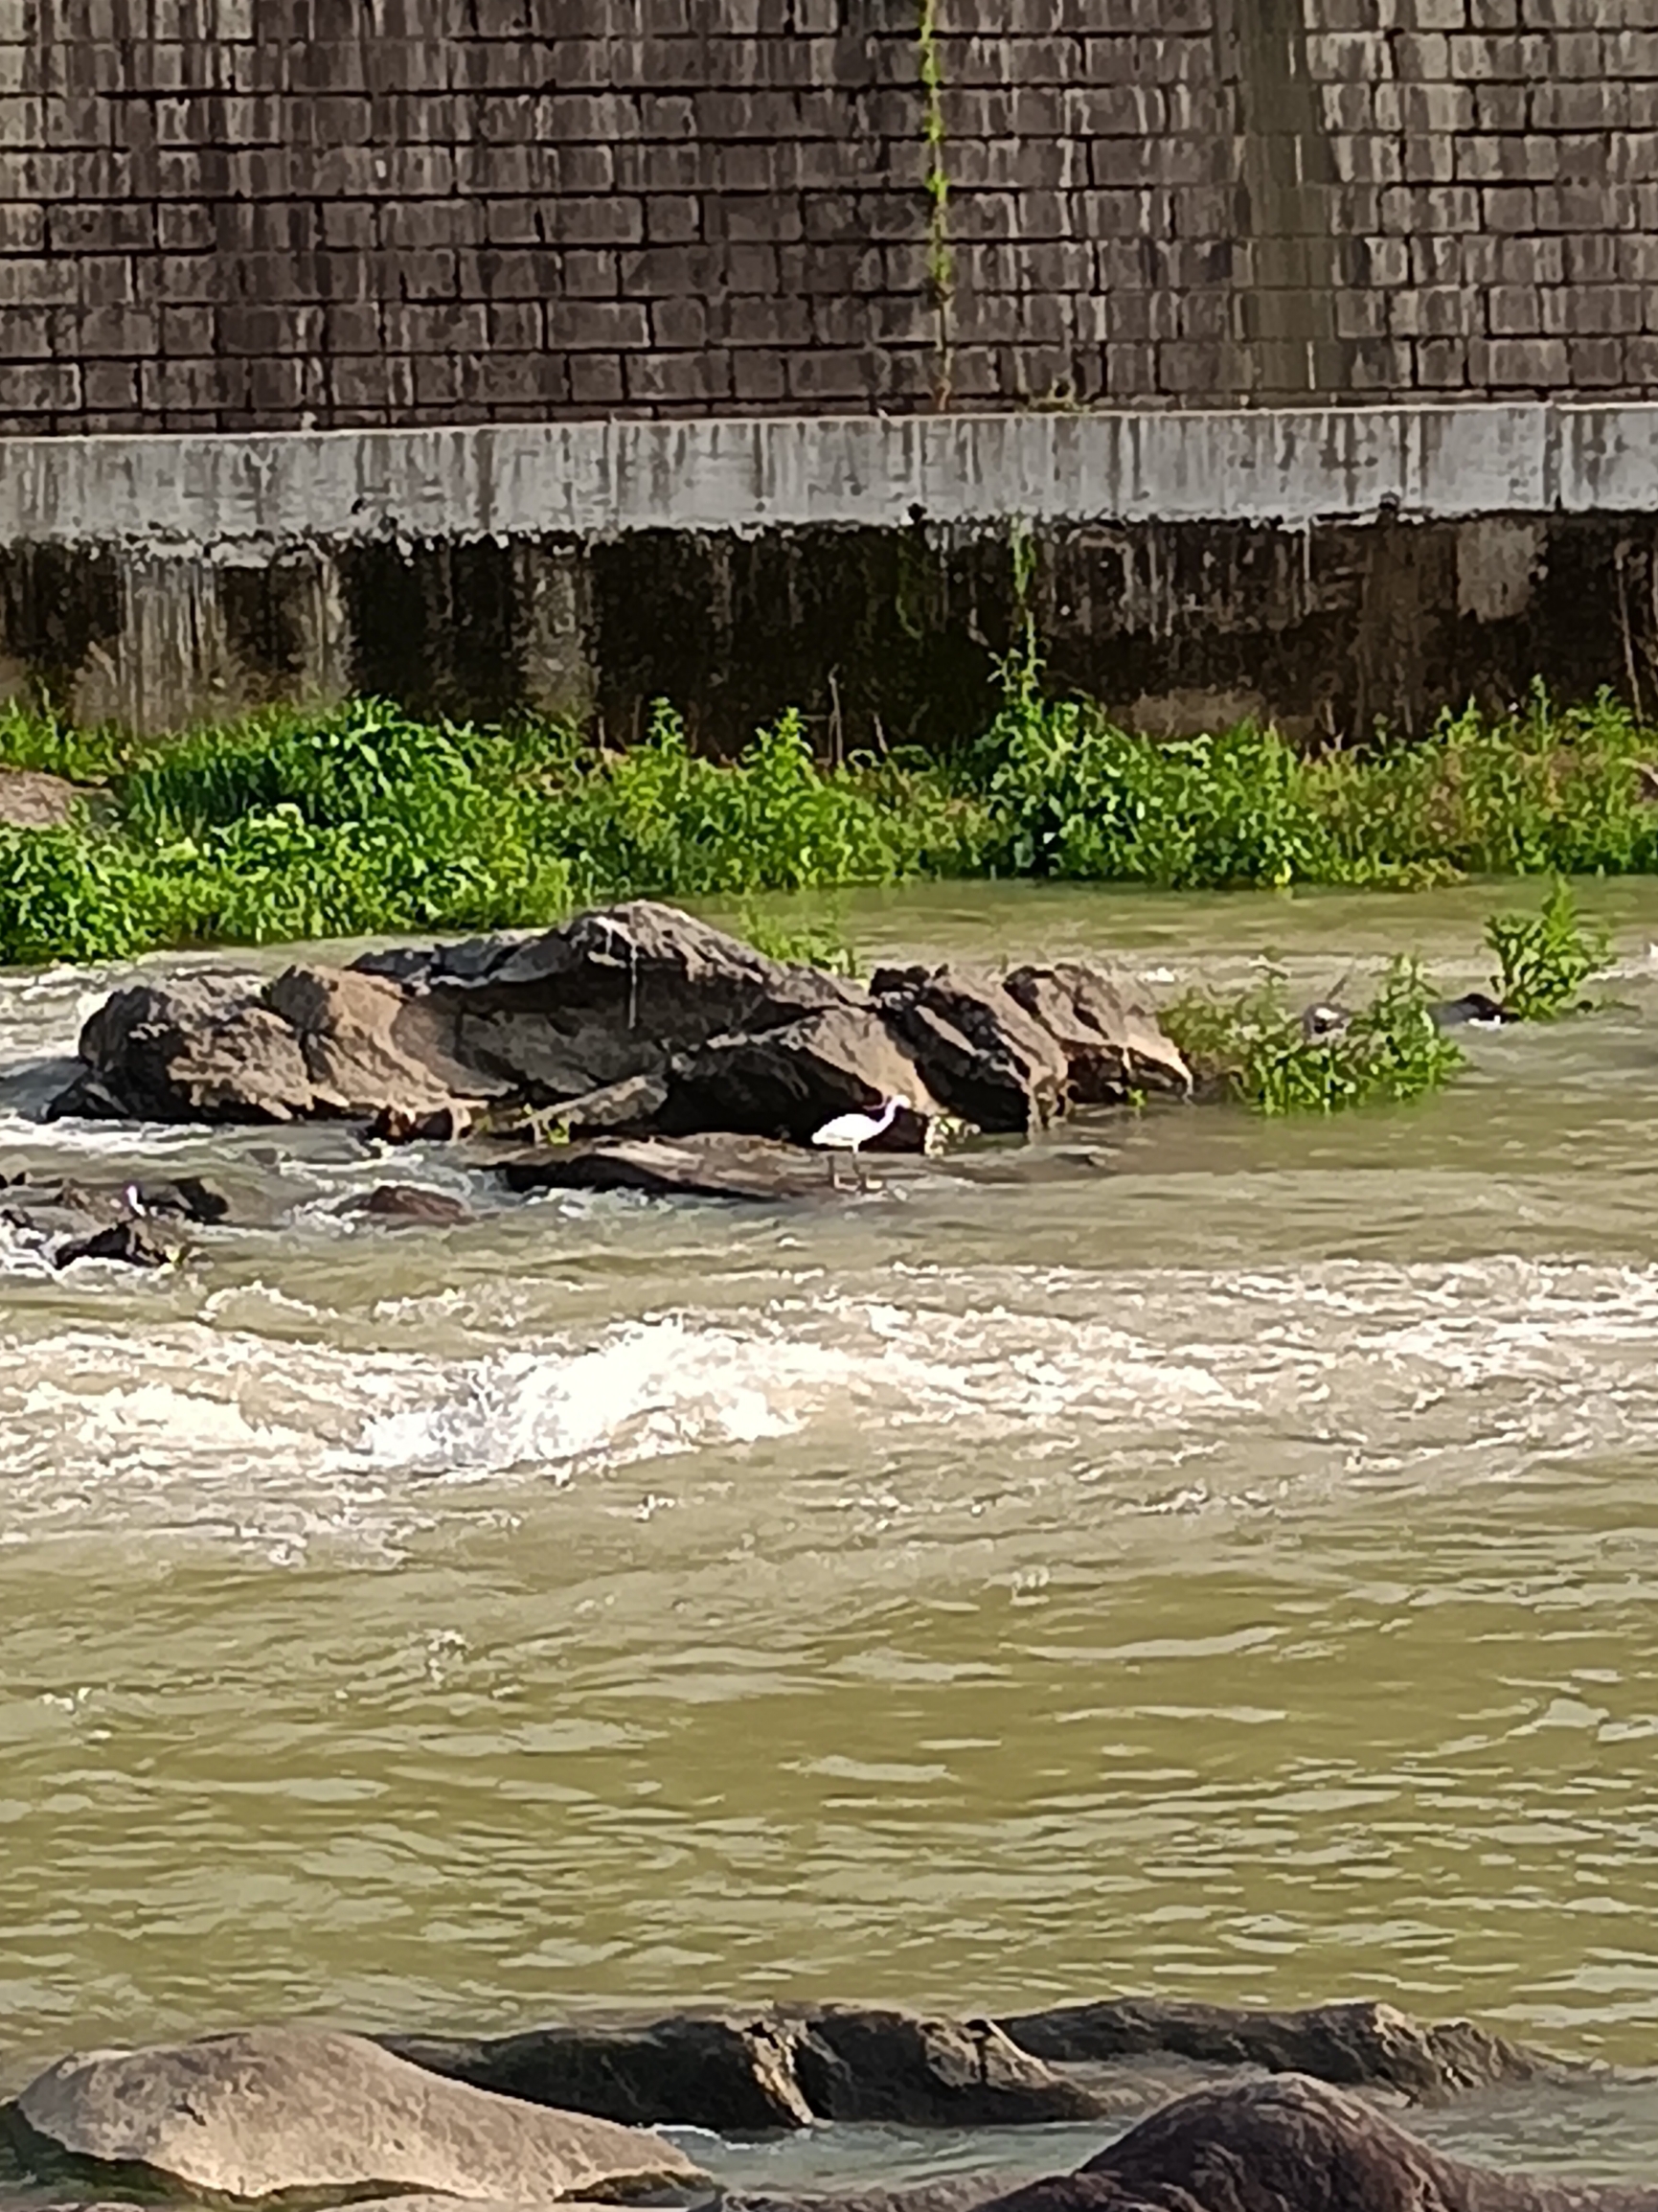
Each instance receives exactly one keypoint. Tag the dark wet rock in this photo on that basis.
(1324, 1018)
(617, 993)
(858, 2065)
(788, 1081)
(302, 2112)
(979, 1051)
(442, 1126)
(712, 1165)
(950, 2193)
(408, 1203)
(1474, 1006)
(182, 1197)
(1357, 2045)
(130, 1243)
(31, 799)
(1296, 2145)
(202, 1048)
(1112, 1040)
(733, 2075)
(739, 2071)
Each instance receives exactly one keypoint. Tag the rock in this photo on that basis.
(370, 1046)
(630, 1107)
(787, 1081)
(992, 1063)
(443, 1126)
(713, 1165)
(134, 1243)
(183, 1198)
(1359, 2045)
(617, 993)
(734, 2076)
(296, 2111)
(395, 1203)
(1474, 1007)
(202, 1048)
(950, 2193)
(1113, 1043)
(857, 2065)
(1295, 2145)
(29, 799)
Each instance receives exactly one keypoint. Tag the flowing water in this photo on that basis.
(1188, 1555)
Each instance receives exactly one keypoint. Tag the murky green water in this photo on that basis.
(1193, 1555)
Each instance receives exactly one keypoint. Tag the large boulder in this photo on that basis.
(733, 2075)
(200, 1048)
(614, 993)
(1295, 2145)
(861, 2064)
(1112, 1041)
(787, 1081)
(370, 1046)
(1357, 2045)
(297, 2111)
(977, 1048)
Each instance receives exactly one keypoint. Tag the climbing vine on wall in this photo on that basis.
(940, 258)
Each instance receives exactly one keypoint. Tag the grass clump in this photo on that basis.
(1544, 959)
(1256, 1047)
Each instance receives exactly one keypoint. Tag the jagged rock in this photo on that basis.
(1295, 2145)
(1359, 2045)
(712, 1165)
(857, 2065)
(627, 1108)
(202, 1048)
(978, 1050)
(407, 1204)
(370, 1046)
(132, 1244)
(734, 2076)
(280, 2111)
(617, 993)
(787, 1081)
(1112, 1043)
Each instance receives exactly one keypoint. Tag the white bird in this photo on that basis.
(850, 1132)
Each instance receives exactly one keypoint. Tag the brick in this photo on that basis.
(38, 388)
(1535, 364)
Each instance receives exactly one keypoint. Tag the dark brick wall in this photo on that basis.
(238, 213)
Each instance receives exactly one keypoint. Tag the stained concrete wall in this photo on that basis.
(1326, 566)
(237, 214)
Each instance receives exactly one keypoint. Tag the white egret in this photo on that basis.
(850, 1132)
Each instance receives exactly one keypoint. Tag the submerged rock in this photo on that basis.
(407, 1204)
(1357, 2045)
(279, 2111)
(1295, 2145)
(733, 2075)
(130, 1243)
(741, 2072)
(120, 1222)
(713, 1165)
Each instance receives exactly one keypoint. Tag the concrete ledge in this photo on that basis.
(240, 499)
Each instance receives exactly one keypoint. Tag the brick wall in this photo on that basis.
(239, 214)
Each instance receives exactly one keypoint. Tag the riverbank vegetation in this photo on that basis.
(364, 820)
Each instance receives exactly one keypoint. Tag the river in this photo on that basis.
(1191, 1555)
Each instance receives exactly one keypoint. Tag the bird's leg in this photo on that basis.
(858, 1170)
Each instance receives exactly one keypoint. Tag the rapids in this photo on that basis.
(1188, 1554)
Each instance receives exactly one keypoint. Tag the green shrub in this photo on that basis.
(1544, 959)
(1256, 1047)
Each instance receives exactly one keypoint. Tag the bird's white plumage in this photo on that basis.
(846, 1133)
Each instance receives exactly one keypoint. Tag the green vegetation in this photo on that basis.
(1544, 959)
(363, 820)
(1256, 1047)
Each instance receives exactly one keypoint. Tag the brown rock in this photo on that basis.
(202, 1048)
(788, 1081)
(859, 2065)
(280, 2111)
(712, 1165)
(1295, 2145)
(370, 1046)
(1112, 1043)
(1360, 2046)
(977, 1048)
(29, 799)
(407, 1204)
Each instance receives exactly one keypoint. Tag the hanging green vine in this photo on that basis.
(940, 257)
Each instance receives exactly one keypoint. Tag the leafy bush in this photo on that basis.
(1544, 959)
(1256, 1047)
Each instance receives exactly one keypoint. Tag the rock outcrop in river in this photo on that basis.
(301, 2113)
(634, 1021)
